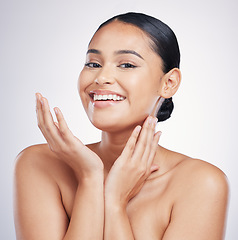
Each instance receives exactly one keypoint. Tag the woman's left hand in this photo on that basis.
(134, 165)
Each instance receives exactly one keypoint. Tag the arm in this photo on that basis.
(127, 177)
(88, 213)
(37, 201)
(117, 224)
(39, 211)
(199, 212)
(38, 208)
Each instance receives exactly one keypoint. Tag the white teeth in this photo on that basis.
(107, 97)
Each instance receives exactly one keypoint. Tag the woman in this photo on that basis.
(126, 186)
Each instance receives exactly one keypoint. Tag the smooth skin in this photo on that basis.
(126, 186)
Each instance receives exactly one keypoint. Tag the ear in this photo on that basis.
(170, 83)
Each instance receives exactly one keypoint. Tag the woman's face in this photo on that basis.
(120, 83)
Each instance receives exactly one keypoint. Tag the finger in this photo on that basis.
(154, 168)
(48, 119)
(40, 117)
(130, 145)
(56, 124)
(62, 126)
(153, 150)
(48, 128)
(149, 141)
(39, 112)
(142, 141)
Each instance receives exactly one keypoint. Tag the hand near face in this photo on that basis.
(63, 143)
(134, 165)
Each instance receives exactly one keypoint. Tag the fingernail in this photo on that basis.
(155, 120)
(56, 111)
(138, 128)
(154, 167)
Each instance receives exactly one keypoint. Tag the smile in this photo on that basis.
(105, 98)
(102, 95)
(113, 97)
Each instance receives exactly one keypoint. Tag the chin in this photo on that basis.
(115, 125)
(106, 125)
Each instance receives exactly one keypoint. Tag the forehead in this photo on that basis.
(118, 35)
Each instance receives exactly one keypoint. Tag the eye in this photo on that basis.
(127, 65)
(92, 65)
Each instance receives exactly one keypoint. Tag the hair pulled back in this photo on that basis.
(164, 43)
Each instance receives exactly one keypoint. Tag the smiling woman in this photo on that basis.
(126, 186)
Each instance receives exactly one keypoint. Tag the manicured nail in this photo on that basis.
(56, 111)
(150, 120)
(138, 128)
(154, 121)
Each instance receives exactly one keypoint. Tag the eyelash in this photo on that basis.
(128, 65)
(96, 65)
(92, 65)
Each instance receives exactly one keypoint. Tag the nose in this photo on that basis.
(105, 76)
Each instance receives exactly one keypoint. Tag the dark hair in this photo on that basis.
(164, 43)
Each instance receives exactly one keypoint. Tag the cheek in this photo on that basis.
(143, 89)
(82, 85)
(81, 82)
(145, 97)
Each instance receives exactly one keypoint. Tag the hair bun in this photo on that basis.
(165, 110)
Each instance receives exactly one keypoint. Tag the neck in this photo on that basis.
(111, 146)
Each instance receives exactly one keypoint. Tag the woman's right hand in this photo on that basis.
(64, 144)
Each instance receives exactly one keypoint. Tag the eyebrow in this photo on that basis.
(95, 51)
(129, 52)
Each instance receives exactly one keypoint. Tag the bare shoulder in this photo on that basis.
(186, 171)
(202, 189)
(39, 158)
(200, 198)
(30, 159)
(202, 175)
(38, 161)
(35, 166)
(37, 193)
(34, 152)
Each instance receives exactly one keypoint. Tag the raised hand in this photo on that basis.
(134, 165)
(63, 143)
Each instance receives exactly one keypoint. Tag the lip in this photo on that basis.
(103, 103)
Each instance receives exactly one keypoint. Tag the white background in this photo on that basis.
(42, 48)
